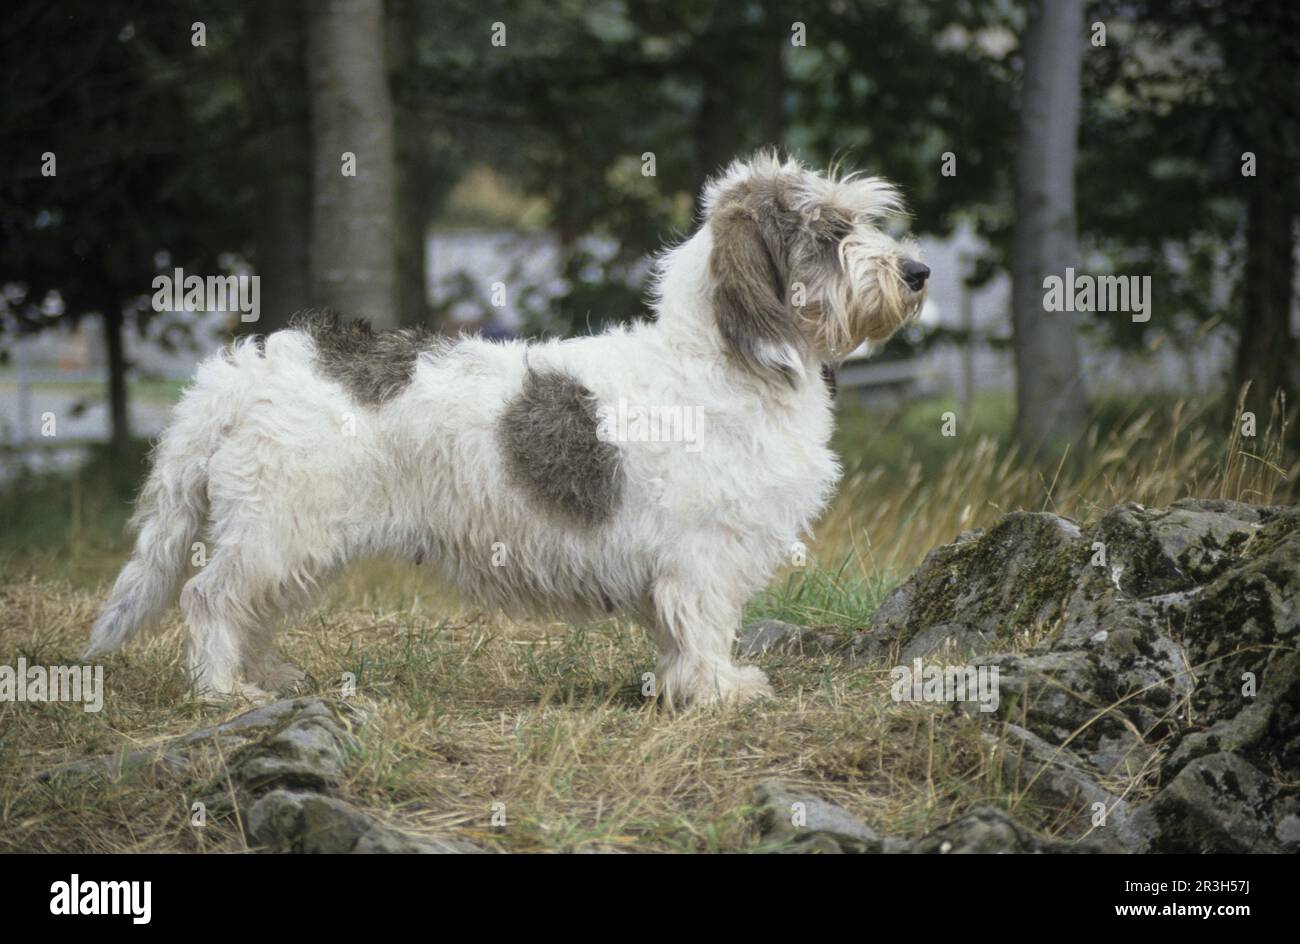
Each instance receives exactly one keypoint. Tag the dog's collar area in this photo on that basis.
(828, 377)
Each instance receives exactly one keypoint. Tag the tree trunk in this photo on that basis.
(353, 265)
(772, 91)
(411, 132)
(716, 133)
(1050, 405)
(275, 80)
(1266, 348)
(120, 435)
(716, 128)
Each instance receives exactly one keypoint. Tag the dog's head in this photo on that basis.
(801, 267)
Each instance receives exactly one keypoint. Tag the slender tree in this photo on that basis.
(274, 80)
(408, 21)
(1050, 408)
(353, 259)
(1261, 43)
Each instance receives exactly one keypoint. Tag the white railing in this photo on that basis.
(21, 428)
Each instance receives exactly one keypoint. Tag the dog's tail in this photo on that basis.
(172, 507)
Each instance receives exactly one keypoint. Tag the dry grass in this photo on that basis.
(471, 710)
(894, 506)
(477, 711)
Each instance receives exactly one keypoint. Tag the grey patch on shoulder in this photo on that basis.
(373, 366)
(548, 434)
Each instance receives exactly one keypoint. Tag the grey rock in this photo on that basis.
(1252, 726)
(281, 783)
(153, 766)
(987, 830)
(280, 762)
(301, 822)
(952, 639)
(1124, 756)
(1061, 783)
(177, 759)
(766, 636)
(813, 844)
(1287, 833)
(254, 722)
(827, 829)
(798, 821)
(982, 588)
(1177, 628)
(1151, 552)
(1216, 804)
(306, 753)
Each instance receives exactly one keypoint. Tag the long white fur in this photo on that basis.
(286, 479)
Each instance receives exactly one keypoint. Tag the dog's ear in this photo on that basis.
(748, 271)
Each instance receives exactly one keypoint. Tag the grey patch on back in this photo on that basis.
(373, 366)
(552, 451)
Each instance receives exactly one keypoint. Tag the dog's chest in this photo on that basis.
(752, 466)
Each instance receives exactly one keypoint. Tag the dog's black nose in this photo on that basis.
(914, 273)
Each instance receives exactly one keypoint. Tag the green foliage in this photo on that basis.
(582, 91)
(1182, 90)
(142, 126)
(157, 139)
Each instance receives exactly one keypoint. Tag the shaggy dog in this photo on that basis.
(527, 474)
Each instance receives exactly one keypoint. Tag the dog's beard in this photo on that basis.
(868, 300)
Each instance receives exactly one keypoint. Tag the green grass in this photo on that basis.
(72, 526)
(896, 437)
(845, 596)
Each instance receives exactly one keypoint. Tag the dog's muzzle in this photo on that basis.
(914, 274)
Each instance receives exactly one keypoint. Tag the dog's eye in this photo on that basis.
(836, 229)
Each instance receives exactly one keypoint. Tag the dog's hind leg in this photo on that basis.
(695, 629)
(216, 615)
(283, 577)
(232, 608)
(263, 664)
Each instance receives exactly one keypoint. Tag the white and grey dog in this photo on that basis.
(494, 461)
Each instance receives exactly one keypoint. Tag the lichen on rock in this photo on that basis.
(1163, 648)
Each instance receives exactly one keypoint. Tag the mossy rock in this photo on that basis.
(1172, 635)
(986, 586)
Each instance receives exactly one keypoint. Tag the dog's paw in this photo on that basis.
(750, 684)
(736, 685)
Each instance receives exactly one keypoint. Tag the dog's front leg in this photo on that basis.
(695, 635)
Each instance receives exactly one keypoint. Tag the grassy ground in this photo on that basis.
(473, 710)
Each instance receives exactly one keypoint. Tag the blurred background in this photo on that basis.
(515, 164)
